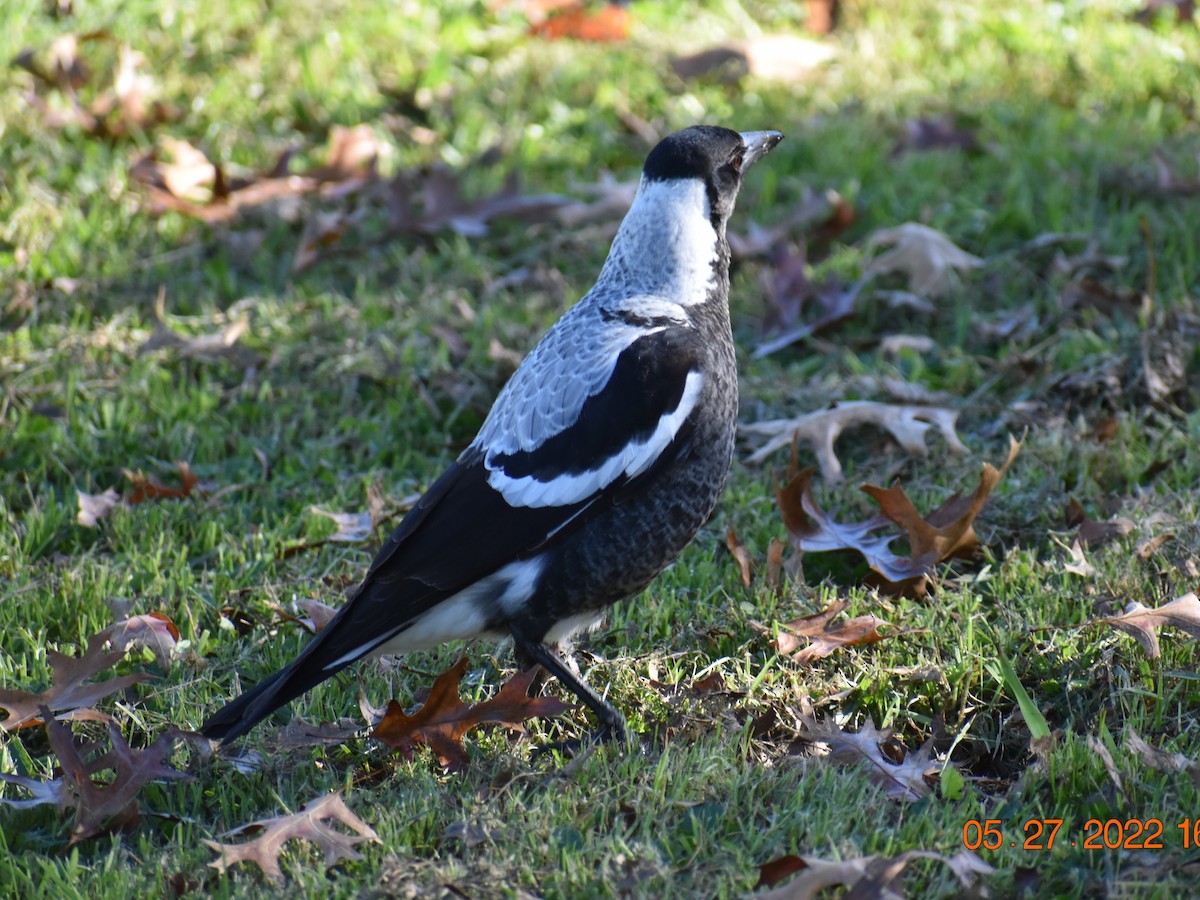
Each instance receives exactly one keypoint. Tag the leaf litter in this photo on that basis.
(314, 822)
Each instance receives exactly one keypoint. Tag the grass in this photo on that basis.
(351, 381)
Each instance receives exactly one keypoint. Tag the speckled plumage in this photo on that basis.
(601, 458)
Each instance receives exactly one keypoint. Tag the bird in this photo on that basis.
(600, 460)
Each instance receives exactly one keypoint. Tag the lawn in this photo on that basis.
(285, 248)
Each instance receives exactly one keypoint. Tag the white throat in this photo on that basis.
(667, 245)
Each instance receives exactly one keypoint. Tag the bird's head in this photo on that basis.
(714, 156)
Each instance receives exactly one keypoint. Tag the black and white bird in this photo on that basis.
(600, 460)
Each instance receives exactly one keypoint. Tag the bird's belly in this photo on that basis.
(617, 553)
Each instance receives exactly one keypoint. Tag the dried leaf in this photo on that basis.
(146, 487)
(215, 345)
(94, 507)
(311, 823)
(1142, 624)
(812, 531)
(154, 631)
(100, 806)
(903, 780)
(821, 429)
(69, 690)
(443, 720)
(322, 230)
(1151, 545)
(1162, 760)
(875, 877)
(790, 291)
(740, 555)
(352, 528)
(43, 793)
(1077, 562)
(810, 638)
(607, 23)
(316, 614)
(957, 536)
(925, 255)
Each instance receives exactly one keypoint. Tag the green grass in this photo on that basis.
(350, 382)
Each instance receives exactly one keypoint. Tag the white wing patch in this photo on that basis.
(632, 460)
(462, 616)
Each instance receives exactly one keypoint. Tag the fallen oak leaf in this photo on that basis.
(950, 530)
(810, 638)
(922, 253)
(99, 807)
(311, 823)
(146, 487)
(1142, 623)
(1162, 760)
(69, 689)
(154, 631)
(443, 720)
(821, 429)
(810, 530)
(42, 793)
(906, 779)
(868, 876)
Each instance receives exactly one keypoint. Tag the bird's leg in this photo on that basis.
(612, 723)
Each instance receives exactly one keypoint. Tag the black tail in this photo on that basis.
(240, 715)
(306, 671)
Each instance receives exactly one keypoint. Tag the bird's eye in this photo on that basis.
(739, 157)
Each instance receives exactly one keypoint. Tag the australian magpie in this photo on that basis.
(600, 460)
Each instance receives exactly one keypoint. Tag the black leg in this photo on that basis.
(612, 723)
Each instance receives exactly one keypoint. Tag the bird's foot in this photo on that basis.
(613, 729)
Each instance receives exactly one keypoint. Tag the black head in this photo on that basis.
(717, 156)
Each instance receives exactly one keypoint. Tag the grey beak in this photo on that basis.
(758, 143)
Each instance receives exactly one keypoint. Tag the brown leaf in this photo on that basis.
(1151, 545)
(821, 429)
(443, 720)
(68, 690)
(316, 614)
(311, 823)
(810, 638)
(154, 631)
(740, 555)
(874, 877)
(925, 255)
(1162, 760)
(776, 870)
(146, 487)
(94, 507)
(607, 23)
(928, 538)
(322, 230)
(99, 807)
(353, 153)
(905, 779)
(812, 531)
(789, 291)
(1142, 624)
